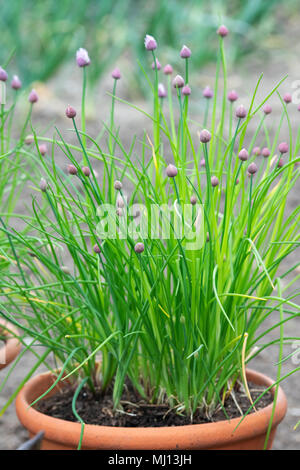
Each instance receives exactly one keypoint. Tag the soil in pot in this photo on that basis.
(98, 409)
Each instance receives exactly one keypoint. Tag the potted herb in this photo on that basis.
(150, 299)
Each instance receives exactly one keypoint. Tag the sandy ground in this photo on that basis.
(65, 89)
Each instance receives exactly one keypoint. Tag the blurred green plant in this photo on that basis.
(43, 34)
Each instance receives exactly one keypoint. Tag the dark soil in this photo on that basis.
(136, 412)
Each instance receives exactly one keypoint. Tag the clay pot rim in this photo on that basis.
(113, 438)
(12, 345)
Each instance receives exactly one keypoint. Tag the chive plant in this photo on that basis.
(179, 321)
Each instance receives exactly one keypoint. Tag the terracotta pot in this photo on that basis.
(64, 435)
(12, 345)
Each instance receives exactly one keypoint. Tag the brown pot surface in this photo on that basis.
(12, 345)
(61, 434)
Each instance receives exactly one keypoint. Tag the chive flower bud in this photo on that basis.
(202, 162)
(178, 82)
(252, 168)
(29, 139)
(33, 97)
(116, 74)
(119, 212)
(43, 185)
(158, 64)
(16, 83)
(205, 136)
(82, 57)
(283, 147)
(72, 170)
(96, 249)
(193, 200)
(43, 149)
(243, 155)
(232, 96)
(171, 171)
(287, 98)
(185, 52)
(208, 93)
(70, 112)
(168, 69)
(118, 185)
(3, 75)
(186, 90)
(256, 151)
(150, 43)
(267, 109)
(265, 152)
(280, 163)
(139, 247)
(162, 93)
(86, 171)
(241, 112)
(222, 31)
(214, 181)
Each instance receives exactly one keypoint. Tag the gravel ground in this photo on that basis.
(64, 89)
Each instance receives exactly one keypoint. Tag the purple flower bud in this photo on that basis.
(202, 162)
(139, 247)
(207, 92)
(178, 82)
(3, 75)
(287, 98)
(70, 112)
(243, 155)
(150, 43)
(283, 147)
(185, 52)
(205, 136)
(43, 185)
(232, 96)
(222, 31)
(162, 93)
(168, 69)
(186, 90)
(256, 151)
(86, 171)
(237, 181)
(16, 83)
(119, 212)
(280, 163)
(252, 168)
(171, 171)
(214, 181)
(158, 64)
(82, 57)
(43, 149)
(72, 170)
(265, 152)
(96, 249)
(116, 74)
(267, 109)
(118, 185)
(193, 200)
(241, 112)
(33, 97)
(298, 107)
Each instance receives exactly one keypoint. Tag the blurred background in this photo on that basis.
(38, 37)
